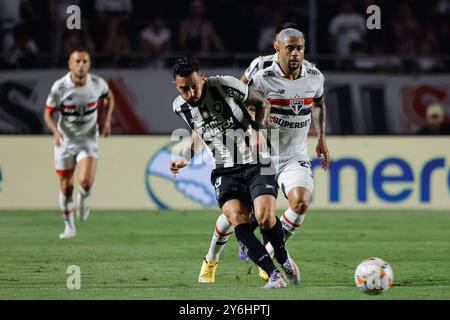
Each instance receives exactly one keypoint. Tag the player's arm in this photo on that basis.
(262, 111)
(319, 119)
(108, 102)
(187, 153)
(51, 124)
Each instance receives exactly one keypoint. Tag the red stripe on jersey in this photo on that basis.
(72, 106)
(290, 222)
(220, 234)
(49, 107)
(287, 102)
(65, 172)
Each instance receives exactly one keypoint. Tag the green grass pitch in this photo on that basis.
(157, 255)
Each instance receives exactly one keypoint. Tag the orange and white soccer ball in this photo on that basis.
(374, 276)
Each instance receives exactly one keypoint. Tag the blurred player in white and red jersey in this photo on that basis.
(76, 97)
(294, 87)
(263, 62)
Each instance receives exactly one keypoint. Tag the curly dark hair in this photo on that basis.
(184, 66)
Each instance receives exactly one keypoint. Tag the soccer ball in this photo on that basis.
(374, 276)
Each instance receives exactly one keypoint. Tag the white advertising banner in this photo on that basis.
(133, 173)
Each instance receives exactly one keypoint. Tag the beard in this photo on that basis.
(294, 65)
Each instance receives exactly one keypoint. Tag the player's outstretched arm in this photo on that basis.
(108, 102)
(51, 124)
(187, 153)
(319, 118)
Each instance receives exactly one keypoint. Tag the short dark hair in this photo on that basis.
(184, 66)
(286, 25)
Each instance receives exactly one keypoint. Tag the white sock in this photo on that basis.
(83, 195)
(66, 207)
(223, 231)
(290, 221)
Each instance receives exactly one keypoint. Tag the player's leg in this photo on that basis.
(66, 203)
(237, 213)
(297, 184)
(65, 165)
(222, 232)
(264, 193)
(86, 168)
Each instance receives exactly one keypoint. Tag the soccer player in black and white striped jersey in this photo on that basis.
(215, 109)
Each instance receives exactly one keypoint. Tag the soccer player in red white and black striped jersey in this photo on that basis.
(75, 97)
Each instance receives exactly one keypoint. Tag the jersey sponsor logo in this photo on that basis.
(311, 71)
(234, 93)
(281, 91)
(268, 73)
(218, 126)
(290, 124)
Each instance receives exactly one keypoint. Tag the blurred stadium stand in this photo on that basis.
(137, 35)
(415, 34)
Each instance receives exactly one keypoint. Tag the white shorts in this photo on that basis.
(70, 152)
(293, 174)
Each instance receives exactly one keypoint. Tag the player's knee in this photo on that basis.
(235, 216)
(67, 190)
(300, 206)
(266, 220)
(86, 183)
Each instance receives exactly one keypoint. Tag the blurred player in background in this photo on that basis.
(76, 96)
(293, 86)
(263, 62)
(215, 110)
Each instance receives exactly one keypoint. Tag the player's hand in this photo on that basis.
(323, 153)
(177, 164)
(58, 138)
(106, 130)
(258, 142)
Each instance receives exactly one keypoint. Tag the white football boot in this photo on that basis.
(69, 228)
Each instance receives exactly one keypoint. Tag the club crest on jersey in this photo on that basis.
(217, 107)
(81, 108)
(296, 104)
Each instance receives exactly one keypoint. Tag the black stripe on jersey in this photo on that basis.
(187, 114)
(289, 112)
(267, 63)
(76, 113)
(227, 111)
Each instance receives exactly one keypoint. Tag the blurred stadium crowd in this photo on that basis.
(414, 35)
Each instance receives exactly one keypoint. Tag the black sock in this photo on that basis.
(276, 238)
(255, 250)
(253, 222)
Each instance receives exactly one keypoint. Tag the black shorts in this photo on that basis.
(243, 182)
